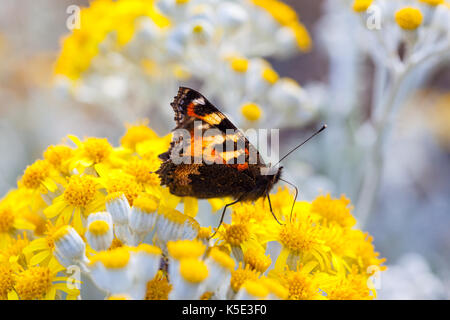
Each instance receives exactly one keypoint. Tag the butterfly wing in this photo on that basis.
(209, 173)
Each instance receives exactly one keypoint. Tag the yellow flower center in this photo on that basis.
(409, 18)
(80, 191)
(223, 259)
(6, 281)
(15, 247)
(336, 210)
(270, 75)
(239, 276)
(193, 270)
(98, 227)
(112, 259)
(299, 236)
(142, 171)
(149, 249)
(197, 28)
(158, 288)
(206, 295)
(146, 203)
(185, 249)
(126, 184)
(239, 65)
(33, 283)
(432, 2)
(361, 5)
(257, 260)
(136, 134)
(251, 111)
(181, 1)
(116, 243)
(300, 287)
(6, 218)
(57, 234)
(57, 155)
(204, 233)
(35, 174)
(236, 234)
(97, 149)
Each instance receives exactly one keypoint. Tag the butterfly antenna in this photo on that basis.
(295, 197)
(312, 136)
(271, 210)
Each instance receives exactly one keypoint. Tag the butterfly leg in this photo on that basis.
(223, 214)
(271, 210)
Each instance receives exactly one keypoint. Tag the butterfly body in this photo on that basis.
(226, 176)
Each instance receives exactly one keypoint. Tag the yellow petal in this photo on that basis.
(54, 209)
(190, 206)
(12, 295)
(77, 222)
(75, 140)
(35, 245)
(169, 200)
(64, 217)
(38, 258)
(50, 295)
(216, 204)
(50, 185)
(20, 223)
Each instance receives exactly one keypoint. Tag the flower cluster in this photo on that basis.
(420, 26)
(101, 209)
(141, 51)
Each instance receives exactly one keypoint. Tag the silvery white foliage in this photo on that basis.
(410, 278)
(353, 139)
(202, 35)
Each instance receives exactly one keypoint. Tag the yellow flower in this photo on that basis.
(7, 281)
(143, 171)
(11, 220)
(37, 283)
(12, 251)
(41, 249)
(433, 2)
(239, 65)
(97, 21)
(300, 240)
(361, 5)
(119, 181)
(409, 18)
(58, 156)
(352, 287)
(241, 275)
(158, 288)
(92, 152)
(137, 134)
(286, 16)
(251, 111)
(334, 210)
(40, 176)
(322, 255)
(80, 198)
(303, 284)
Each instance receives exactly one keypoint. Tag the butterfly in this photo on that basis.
(217, 174)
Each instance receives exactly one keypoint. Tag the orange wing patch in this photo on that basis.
(213, 118)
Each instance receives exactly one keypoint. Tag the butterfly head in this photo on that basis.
(268, 177)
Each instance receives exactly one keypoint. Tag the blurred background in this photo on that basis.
(410, 217)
